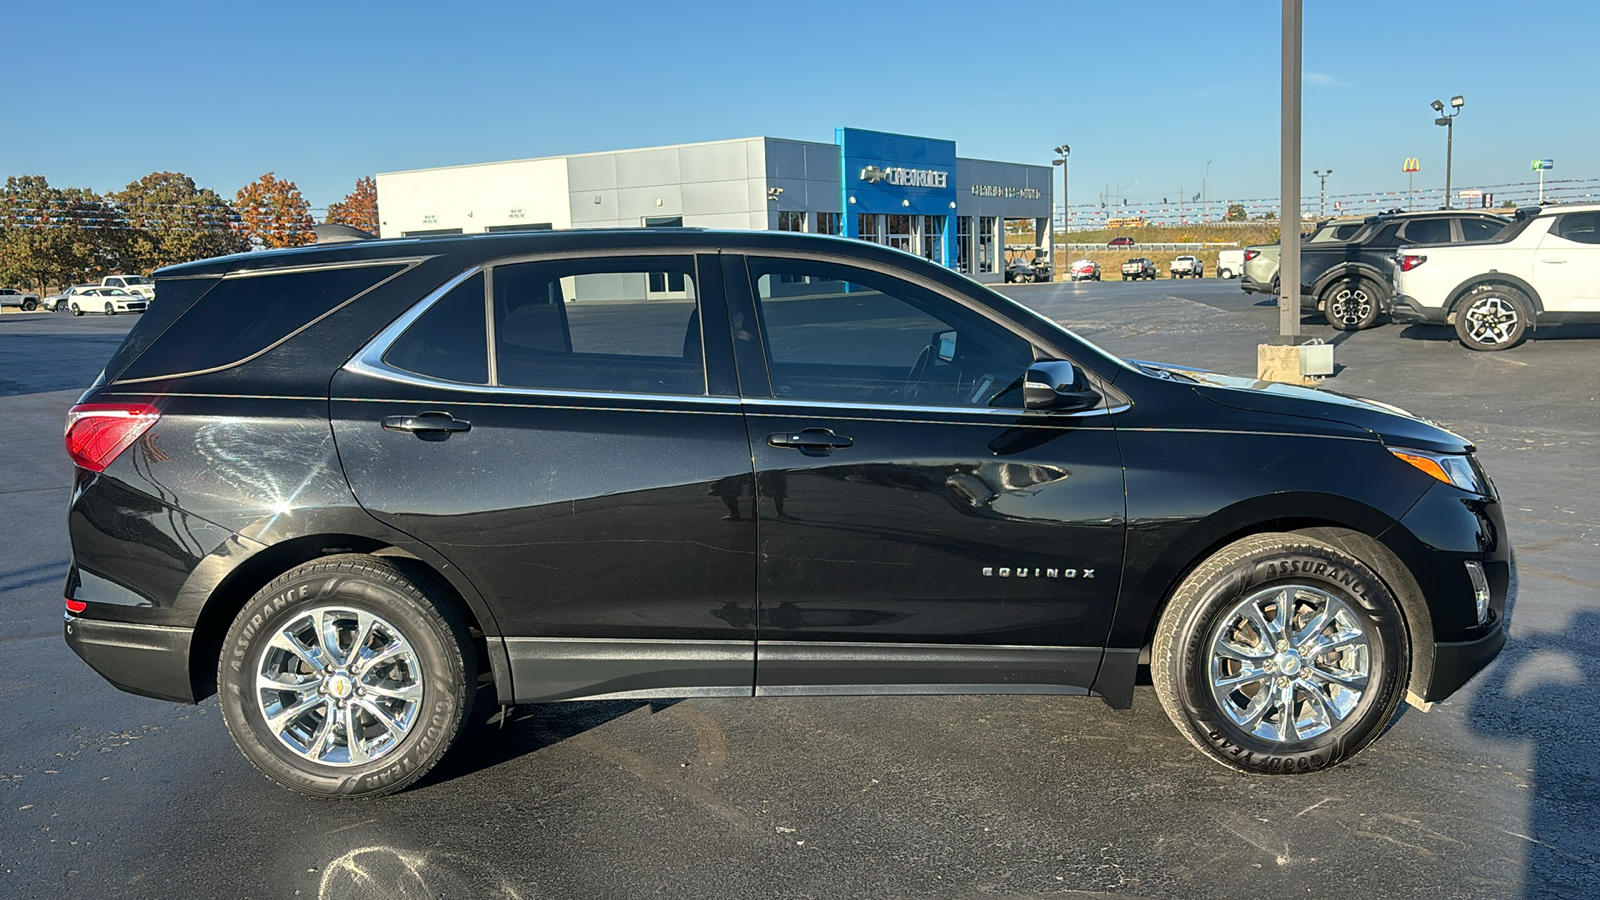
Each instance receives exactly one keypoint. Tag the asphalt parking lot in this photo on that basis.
(1491, 794)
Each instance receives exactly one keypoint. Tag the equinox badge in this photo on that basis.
(1025, 572)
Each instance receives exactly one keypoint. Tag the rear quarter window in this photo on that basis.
(240, 317)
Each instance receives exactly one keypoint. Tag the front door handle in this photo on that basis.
(1552, 259)
(428, 425)
(811, 441)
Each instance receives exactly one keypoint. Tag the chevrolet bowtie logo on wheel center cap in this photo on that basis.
(339, 687)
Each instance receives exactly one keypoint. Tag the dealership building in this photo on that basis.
(911, 193)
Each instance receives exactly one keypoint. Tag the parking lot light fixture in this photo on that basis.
(1064, 151)
(1322, 192)
(1448, 122)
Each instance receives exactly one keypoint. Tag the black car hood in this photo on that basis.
(1391, 424)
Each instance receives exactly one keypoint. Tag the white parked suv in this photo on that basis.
(1544, 268)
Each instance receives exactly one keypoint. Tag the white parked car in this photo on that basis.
(1187, 267)
(1230, 263)
(1085, 270)
(106, 300)
(1543, 268)
(62, 302)
(12, 297)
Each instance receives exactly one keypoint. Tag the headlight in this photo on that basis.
(1451, 468)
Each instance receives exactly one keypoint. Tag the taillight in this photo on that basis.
(98, 432)
(76, 606)
(1410, 261)
(1251, 254)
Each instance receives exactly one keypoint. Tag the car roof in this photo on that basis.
(498, 245)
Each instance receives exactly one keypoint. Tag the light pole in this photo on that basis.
(1205, 203)
(1322, 193)
(1448, 120)
(1065, 151)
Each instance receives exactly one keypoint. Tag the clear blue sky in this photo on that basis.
(96, 94)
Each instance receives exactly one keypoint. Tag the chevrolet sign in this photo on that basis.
(899, 177)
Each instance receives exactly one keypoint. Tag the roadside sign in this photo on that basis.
(1411, 165)
(1469, 194)
(1540, 165)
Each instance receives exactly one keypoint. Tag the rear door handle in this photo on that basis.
(428, 424)
(1552, 259)
(811, 441)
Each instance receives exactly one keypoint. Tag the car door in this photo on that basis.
(567, 433)
(1566, 267)
(916, 526)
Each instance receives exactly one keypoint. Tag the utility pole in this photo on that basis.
(1205, 202)
(1322, 193)
(1289, 213)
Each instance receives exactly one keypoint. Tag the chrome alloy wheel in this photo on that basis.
(339, 686)
(1491, 320)
(1289, 663)
(1351, 305)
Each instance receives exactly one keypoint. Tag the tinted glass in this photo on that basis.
(625, 325)
(1428, 231)
(1480, 229)
(448, 341)
(843, 334)
(1582, 227)
(243, 316)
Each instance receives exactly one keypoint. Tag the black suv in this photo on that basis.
(625, 464)
(1352, 281)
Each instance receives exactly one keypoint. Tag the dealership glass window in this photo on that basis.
(838, 333)
(827, 223)
(899, 232)
(791, 220)
(986, 228)
(933, 239)
(964, 244)
(867, 227)
(598, 325)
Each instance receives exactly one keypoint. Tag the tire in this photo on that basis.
(1493, 317)
(111, 309)
(1212, 604)
(1351, 304)
(1224, 273)
(1124, 278)
(428, 678)
(30, 305)
(76, 310)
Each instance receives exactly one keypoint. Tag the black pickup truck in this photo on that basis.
(1351, 281)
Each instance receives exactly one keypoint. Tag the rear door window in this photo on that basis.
(450, 341)
(1480, 229)
(1427, 231)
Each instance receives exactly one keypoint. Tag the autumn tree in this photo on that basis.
(1235, 213)
(359, 208)
(50, 237)
(272, 213)
(172, 221)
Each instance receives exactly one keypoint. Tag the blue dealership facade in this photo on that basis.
(908, 192)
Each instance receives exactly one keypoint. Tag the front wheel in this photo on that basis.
(1351, 304)
(1281, 654)
(76, 310)
(111, 309)
(344, 677)
(1224, 273)
(1493, 317)
(30, 305)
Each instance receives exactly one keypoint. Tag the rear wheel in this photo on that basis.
(1281, 654)
(76, 310)
(1224, 273)
(1493, 317)
(344, 678)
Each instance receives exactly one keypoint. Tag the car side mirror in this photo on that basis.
(1057, 384)
(945, 343)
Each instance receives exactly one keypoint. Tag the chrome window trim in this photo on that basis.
(961, 410)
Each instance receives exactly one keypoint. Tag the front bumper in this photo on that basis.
(152, 660)
(1407, 309)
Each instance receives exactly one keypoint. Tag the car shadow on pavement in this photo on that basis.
(1547, 332)
(1541, 691)
(487, 743)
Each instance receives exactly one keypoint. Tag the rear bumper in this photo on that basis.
(1252, 286)
(1406, 309)
(152, 660)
